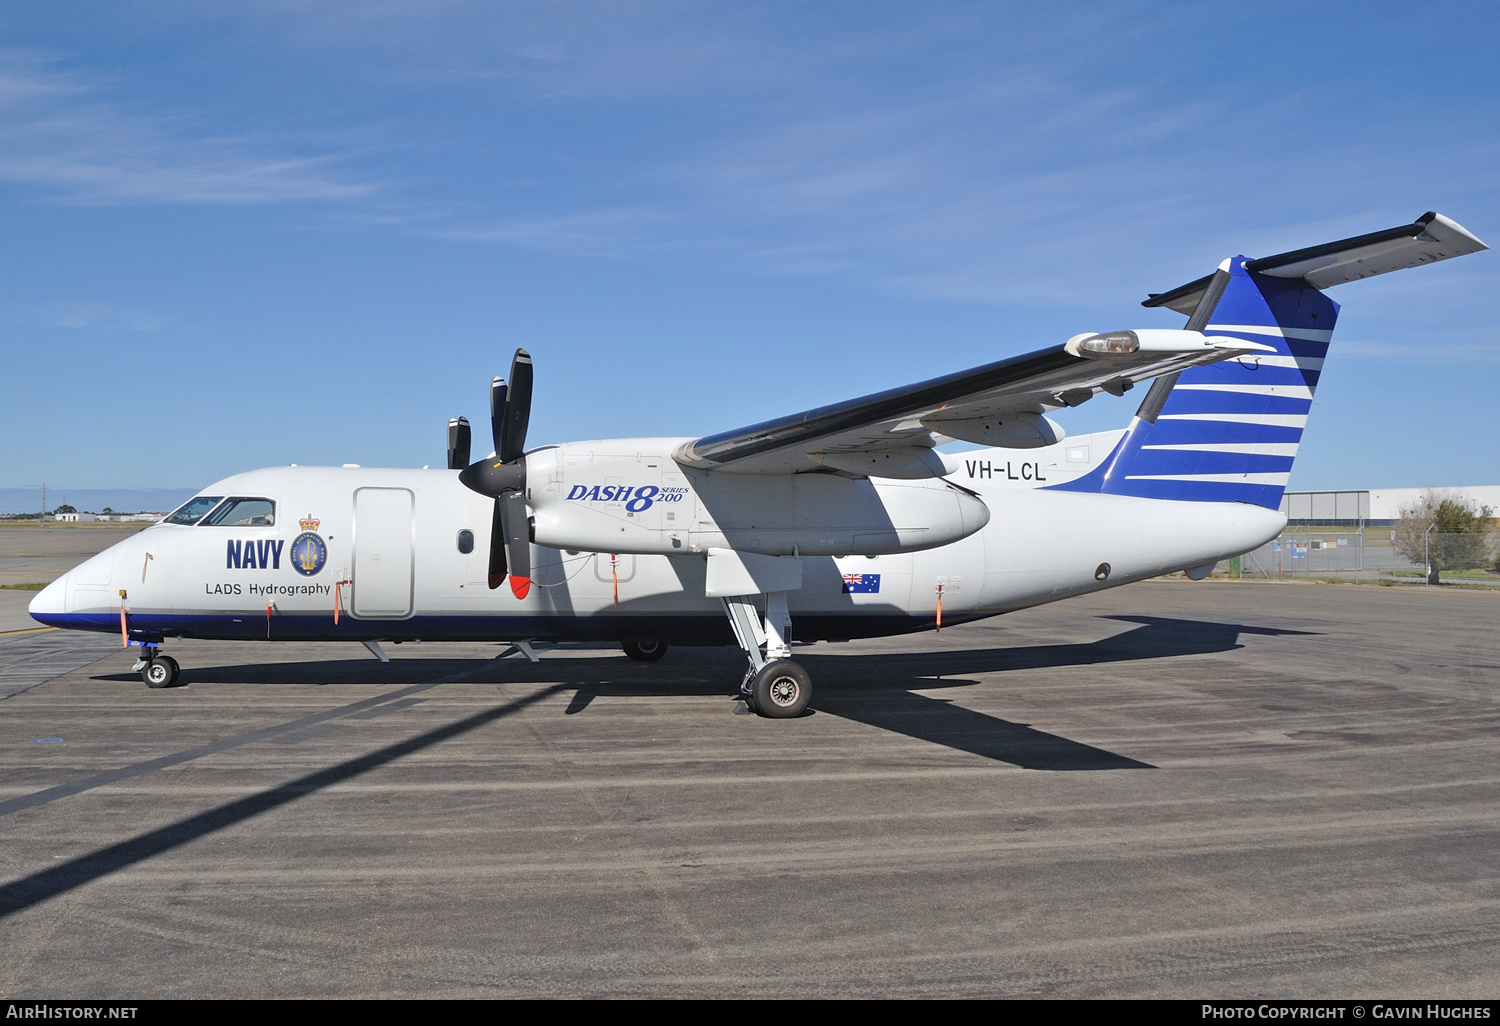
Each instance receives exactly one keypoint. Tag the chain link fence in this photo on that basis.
(1321, 551)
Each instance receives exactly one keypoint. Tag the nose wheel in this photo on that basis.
(160, 671)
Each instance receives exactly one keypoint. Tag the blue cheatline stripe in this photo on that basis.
(1207, 432)
(673, 628)
(1138, 461)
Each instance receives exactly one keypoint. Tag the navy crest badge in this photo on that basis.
(308, 552)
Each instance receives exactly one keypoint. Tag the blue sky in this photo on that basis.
(255, 234)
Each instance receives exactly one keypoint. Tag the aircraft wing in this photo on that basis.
(892, 433)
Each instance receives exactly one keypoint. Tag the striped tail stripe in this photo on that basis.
(1229, 432)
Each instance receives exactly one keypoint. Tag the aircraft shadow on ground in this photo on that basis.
(885, 690)
(876, 689)
(882, 690)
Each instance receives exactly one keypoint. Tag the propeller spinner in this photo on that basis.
(502, 477)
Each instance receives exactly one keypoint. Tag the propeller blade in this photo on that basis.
(497, 548)
(512, 437)
(497, 412)
(517, 541)
(458, 443)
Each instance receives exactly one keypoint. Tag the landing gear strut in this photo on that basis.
(774, 687)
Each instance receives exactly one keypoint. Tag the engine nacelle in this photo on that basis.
(627, 495)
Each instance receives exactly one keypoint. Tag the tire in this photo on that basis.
(781, 689)
(161, 672)
(644, 651)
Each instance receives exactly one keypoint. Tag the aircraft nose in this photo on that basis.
(48, 606)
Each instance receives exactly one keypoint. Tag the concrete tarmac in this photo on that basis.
(1168, 790)
(36, 554)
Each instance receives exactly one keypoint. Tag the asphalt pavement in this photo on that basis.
(1221, 789)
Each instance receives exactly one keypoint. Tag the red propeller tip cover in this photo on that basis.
(519, 586)
(496, 580)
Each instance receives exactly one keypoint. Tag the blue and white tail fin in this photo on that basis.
(1228, 432)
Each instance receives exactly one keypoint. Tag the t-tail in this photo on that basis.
(1228, 432)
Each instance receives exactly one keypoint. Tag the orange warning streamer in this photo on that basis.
(337, 586)
(940, 607)
(614, 576)
(124, 630)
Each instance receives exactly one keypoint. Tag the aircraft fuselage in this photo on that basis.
(620, 533)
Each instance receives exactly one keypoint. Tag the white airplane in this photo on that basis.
(840, 522)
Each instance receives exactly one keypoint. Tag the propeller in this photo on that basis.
(458, 443)
(502, 476)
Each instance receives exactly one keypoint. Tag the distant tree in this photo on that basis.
(1457, 538)
(107, 511)
(64, 509)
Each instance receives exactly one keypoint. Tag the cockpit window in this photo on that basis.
(242, 512)
(192, 511)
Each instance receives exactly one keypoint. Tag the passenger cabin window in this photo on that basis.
(242, 512)
(466, 542)
(192, 511)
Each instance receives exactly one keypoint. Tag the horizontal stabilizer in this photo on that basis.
(1428, 239)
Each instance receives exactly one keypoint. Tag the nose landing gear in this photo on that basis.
(157, 670)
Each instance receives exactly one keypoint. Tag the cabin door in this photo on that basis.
(384, 553)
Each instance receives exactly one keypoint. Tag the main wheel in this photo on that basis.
(644, 651)
(782, 690)
(161, 672)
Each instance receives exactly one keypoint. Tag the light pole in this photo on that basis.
(1427, 553)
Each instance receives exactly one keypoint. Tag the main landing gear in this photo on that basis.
(644, 651)
(775, 686)
(157, 670)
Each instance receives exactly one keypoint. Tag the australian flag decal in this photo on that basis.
(861, 584)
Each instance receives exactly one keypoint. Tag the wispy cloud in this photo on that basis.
(956, 153)
(61, 133)
(947, 197)
(607, 232)
(98, 317)
(1434, 352)
(1023, 164)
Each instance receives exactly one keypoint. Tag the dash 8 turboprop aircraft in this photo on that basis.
(836, 523)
